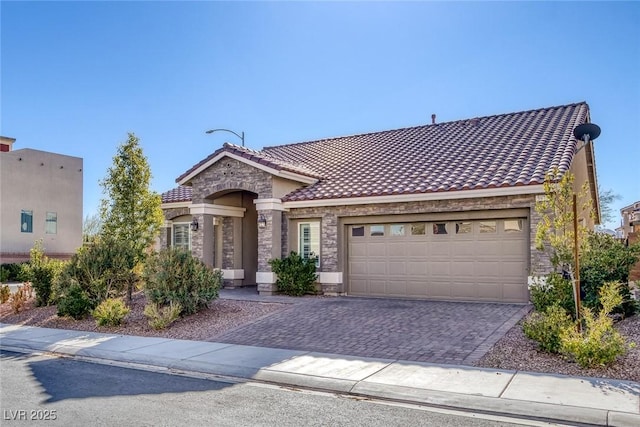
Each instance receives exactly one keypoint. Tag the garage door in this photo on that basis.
(480, 260)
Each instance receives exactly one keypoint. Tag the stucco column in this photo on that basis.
(206, 228)
(269, 242)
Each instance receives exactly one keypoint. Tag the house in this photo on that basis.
(630, 222)
(40, 198)
(440, 211)
(629, 231)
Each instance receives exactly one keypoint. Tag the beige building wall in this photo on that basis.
(40, 182)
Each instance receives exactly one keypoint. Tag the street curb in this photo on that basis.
(367, 389)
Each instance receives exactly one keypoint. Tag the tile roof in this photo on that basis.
(179, 194)
(503, 150)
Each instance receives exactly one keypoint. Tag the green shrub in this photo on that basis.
(598, 343)
(74, 302)
(162, 316)
(296, 275)
(110, 312)
(546, 327)
(41, 272)
(10, 272)
(175, 276)
(102, 270)
(607, 260)
(5, 293)
(553, 290)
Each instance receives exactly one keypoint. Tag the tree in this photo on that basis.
(91, 228)
(130, 212)
(607, 197)
(555, 233)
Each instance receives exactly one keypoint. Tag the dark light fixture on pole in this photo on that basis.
(586, 133)
(241, 135)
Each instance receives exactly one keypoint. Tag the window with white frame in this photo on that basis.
(309, 239)
(51, 223)
(182, 235)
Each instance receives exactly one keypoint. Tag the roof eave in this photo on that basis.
(283, 173)
(533, 189)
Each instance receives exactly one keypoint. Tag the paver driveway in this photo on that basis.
(425, 331)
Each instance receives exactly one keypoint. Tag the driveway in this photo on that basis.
(425, 331)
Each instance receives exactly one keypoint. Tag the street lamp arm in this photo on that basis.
(241, 136)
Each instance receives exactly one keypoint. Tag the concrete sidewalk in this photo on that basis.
(523, 394)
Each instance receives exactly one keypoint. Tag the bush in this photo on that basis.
(162, 316)
(18, 300)
(74, 302)
(175, 276)
(296, 275)
(5, 293)
(546, 327)
(110, 312)
(607, 260)
(553, 290)
(102, 270)
(41, 272)
(10, 272)
(598, 343)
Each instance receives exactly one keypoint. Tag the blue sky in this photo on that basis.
(77, 76)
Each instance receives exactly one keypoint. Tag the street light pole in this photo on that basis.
(241, 135)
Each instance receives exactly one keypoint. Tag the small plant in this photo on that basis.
(110, 312)
(174, 275)
(161, 317)
(552, 290)
(5, 293)
(41, 272)
(598, 343)
(546, 327)
(18, 300)
(75, 303)
(296, 275)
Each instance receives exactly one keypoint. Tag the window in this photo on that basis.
(182, 235)
(488, 227)
(51, 223)
(26, 221)
(357, 231)
(512, 225)
(397, 229)
(440, 228)
(418, 229)
(309, 239)
(463, 227)
(376, 230)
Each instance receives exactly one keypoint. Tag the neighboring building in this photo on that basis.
(441, 211)
(40, 198)
(629, 230)
(630, 220)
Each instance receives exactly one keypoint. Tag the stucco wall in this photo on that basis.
(41, 182)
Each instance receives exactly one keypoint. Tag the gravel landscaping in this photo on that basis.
(514, 351)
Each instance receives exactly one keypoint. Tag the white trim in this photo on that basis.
(233, 274)
(330, 277)
(269, 205)
(175, 205)
(216, 210)
(266, 277)
(173, 233)
(445, 195)
(281, 173)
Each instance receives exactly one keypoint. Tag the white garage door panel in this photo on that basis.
(466, 266)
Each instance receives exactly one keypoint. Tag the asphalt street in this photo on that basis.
(47, 390)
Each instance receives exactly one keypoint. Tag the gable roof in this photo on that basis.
(499, 151)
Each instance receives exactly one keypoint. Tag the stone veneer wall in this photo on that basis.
(330, 216)
(230, 174)
(227, 243)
